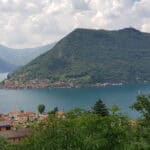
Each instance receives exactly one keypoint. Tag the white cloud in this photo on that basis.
(36, 22)
(146, 25)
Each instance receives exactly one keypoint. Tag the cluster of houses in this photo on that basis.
(9, 121)
(10, 84)
(31, 84)
(15, 117)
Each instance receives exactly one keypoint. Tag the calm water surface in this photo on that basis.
(66, 99)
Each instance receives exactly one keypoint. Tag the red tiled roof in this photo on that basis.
(14, 112)
(60, 113)
(29, 113)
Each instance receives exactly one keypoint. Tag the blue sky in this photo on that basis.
(30, 23)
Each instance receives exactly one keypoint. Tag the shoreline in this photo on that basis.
(9, 84)
(41, 84)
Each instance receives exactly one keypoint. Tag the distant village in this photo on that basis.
(10, 84)
(14, 125)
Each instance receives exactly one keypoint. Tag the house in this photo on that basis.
(60, 114)
(4, 126)
(42, 117)
(8, 133)
(14, 114)
(21, 117)
(26, 116)
(132, 122)
(31, 116)
(15, 135)
(1, 115)
(2, 118)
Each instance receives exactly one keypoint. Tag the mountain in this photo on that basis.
(6, 67)
(86, 57)
(19, 57)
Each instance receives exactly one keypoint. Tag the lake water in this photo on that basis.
(66, 99)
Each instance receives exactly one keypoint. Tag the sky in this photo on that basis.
(31, 23)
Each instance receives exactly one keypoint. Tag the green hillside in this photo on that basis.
(87, 57)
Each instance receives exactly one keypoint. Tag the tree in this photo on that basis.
(142, 105)
(54, 111)
(115, 109)
(41, 108)
(100, 108)
(22, 111)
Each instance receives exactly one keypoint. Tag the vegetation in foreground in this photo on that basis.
(98, 129)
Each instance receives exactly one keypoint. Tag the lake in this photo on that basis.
(69, 98)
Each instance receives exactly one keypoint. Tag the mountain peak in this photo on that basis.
(130, 29)
(81, 29)
(88, 56)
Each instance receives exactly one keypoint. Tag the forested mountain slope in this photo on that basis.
(88, 56)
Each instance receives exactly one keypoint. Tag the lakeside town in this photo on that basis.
(10, 84)
(20, 129)
(15, 125)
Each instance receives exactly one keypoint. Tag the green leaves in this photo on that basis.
(100, 108)
(143, 106)
(41, 108)
(3, 144)
(84, 130)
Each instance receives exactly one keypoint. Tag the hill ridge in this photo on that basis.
(88, 57)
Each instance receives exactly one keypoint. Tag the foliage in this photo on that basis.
(54, 111)
(100, 108)
(41, 108)
(143, 106)
(3, 144)
(115, 109)
(84, 130)
(87, 131)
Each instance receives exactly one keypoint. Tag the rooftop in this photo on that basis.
(4, 124)
(14, 112)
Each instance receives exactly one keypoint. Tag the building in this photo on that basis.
(60, 114)
(8, 133)
(31, 116)
(15, 135)
(21, 117)
(42, 117)
(14, 114)
(1, 115)
(4, 126)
